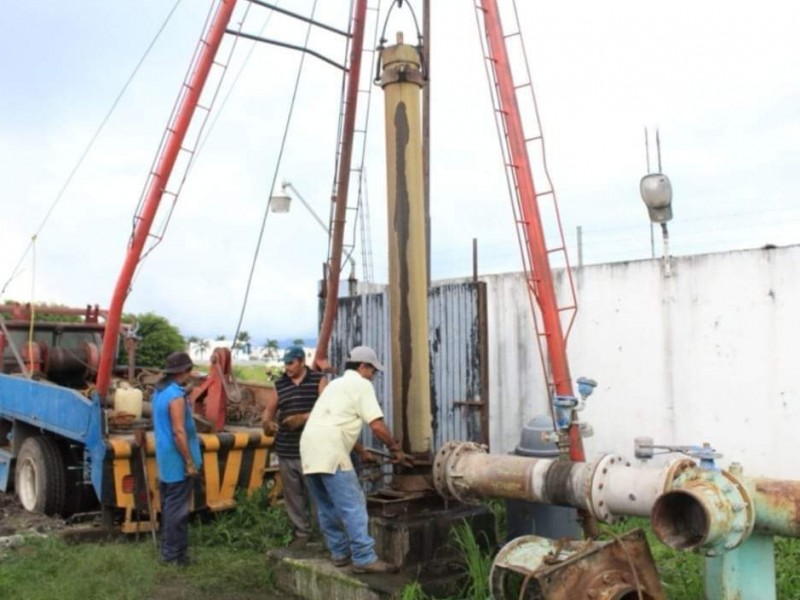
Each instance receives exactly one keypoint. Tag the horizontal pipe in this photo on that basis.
(777, 505)
(611, 487)
(465, 472)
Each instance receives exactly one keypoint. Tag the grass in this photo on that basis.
(229, 548)
(681, 572)
(126, 570)
(251, 526)
(258, 373)
(477, 563)
(229, 552)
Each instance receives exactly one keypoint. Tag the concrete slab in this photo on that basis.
(311, 575)
(420, 544)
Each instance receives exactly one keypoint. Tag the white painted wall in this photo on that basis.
(708, 354)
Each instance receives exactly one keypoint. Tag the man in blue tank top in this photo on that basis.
(297, 392)
(177, 455)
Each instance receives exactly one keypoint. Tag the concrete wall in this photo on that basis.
(708, 354)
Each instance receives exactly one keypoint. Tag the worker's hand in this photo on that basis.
(401, 458)
(191, 469)
(270, 427)
(295, 421)
(366, 456)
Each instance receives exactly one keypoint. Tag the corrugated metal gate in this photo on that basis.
(458, 349)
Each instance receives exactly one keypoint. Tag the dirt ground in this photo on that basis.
(15, 519)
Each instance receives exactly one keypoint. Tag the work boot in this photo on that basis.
(378, 566)
(299, 542)
(341, 562)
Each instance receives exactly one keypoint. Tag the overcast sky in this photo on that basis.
(720, 79)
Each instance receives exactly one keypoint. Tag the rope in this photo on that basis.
(274, 177)
(88, 148)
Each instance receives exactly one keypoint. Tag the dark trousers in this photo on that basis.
(175, 499)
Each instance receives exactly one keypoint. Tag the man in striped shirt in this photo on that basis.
(297, 392)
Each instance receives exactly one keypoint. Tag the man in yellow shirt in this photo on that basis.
(330, 434)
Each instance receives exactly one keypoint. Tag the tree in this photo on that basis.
(158, 338)
(202, 346)
(243, 341)
(299, 342)
(220, 338)
(273, 349)
(193, 339)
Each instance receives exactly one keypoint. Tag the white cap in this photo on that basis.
(365, 354)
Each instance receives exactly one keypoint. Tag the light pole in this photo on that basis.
(281, 201)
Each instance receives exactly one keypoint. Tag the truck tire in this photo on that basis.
(40, 476)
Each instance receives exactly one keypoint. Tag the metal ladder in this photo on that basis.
(545, 196)
(187, 152)
(358, 209)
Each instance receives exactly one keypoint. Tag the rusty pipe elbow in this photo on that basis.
(707, 510)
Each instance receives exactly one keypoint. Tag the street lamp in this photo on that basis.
(281, 201)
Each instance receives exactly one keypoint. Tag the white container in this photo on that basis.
(128, 400)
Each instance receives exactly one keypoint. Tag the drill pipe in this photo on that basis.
(401, 81)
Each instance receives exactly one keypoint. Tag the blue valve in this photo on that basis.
(586, 386)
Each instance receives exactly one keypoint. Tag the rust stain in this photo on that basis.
(402, 228)
(777, 506)
(572, 570)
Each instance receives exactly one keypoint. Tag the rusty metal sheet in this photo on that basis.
(458, 352)
(545, 569)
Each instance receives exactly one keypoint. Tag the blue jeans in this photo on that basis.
(342, 514)
(175, 499)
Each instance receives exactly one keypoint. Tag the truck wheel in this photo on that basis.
(40, 476)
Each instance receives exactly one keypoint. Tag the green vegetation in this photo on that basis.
(257, 372)
(477, 563)
(157, 339)
(229, 548)
(250, 527)
(681, 572)
(229, 552)
(128, 570)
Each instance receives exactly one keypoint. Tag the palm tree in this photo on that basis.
(243, 341)
(202, 346)
(272, 349)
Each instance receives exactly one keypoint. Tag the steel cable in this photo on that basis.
(274, 177)
(88, 148)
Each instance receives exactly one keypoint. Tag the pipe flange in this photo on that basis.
(597, 486)
(727, 503)
(446, 477)
(673, 469)
(440, 461)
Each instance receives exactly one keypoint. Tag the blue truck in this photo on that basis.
(64, 450)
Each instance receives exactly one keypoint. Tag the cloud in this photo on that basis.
(720, 80)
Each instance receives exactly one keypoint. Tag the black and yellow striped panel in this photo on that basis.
(231, 461)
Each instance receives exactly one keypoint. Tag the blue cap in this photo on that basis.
(294, 353)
